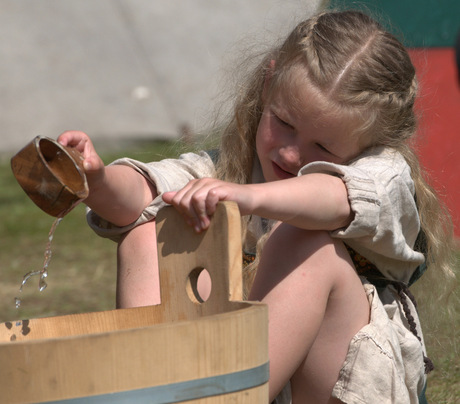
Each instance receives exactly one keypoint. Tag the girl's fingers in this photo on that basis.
(194, 202)
(212, 199)
(168, 196)
(181, 201)
(92, 163)
(75, 139)
(175, 200)
(81, 142)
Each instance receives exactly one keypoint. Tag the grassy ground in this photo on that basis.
(82, 272)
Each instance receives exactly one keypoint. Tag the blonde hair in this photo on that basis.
(362, 71)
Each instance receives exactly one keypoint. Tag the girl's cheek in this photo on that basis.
(264, 138)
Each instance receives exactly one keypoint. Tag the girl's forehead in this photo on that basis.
(301, 101)
(295, 94)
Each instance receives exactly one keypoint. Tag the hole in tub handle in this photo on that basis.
(199, 285)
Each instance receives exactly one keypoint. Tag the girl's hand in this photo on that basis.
(117, 193)
(93, 165)
(198, 199)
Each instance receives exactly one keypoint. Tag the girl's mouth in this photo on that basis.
(280, 173)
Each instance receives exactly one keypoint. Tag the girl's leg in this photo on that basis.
(316, 305)
(138, 280)
(137, 268)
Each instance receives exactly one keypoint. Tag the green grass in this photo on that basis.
(82, 272)
(442, 338)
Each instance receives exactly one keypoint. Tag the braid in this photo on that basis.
(403, 293)
(405, 98)
(309, 44)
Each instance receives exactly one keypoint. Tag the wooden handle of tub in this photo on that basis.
(182, 254)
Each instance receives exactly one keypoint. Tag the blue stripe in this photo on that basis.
(182, 391)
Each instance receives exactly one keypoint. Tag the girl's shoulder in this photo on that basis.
(380, 156)
(383, 163)
(380, 163)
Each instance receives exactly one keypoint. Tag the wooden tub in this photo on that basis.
(181, 350)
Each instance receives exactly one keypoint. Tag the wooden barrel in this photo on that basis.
(181, 350)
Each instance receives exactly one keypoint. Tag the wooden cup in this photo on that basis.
(52, 175)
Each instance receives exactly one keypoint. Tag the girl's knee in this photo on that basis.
(290, 243)
(288, 235)
(293, 253)
(289, 248)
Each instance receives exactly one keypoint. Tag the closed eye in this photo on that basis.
(319, 145)
(282, 122)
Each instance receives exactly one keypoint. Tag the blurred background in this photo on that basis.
(122, 68)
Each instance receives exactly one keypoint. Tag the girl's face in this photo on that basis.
(289, 138)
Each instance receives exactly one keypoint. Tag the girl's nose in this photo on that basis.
(291, 157)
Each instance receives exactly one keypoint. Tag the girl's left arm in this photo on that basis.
(314, 201)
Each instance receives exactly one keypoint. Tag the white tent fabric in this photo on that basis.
(122, 68)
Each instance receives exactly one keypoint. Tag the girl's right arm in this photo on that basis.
(118, 194)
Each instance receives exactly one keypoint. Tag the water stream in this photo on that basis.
(42, 273)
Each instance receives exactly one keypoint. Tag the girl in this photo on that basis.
(316, 156)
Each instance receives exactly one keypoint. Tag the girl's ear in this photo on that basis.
(268, 76)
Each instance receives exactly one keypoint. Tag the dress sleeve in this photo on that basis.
(386, 222)
(166, 175)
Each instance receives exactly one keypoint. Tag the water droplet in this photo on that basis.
(17, 302)
(42, 284)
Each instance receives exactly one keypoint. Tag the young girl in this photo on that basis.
(316, 156)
